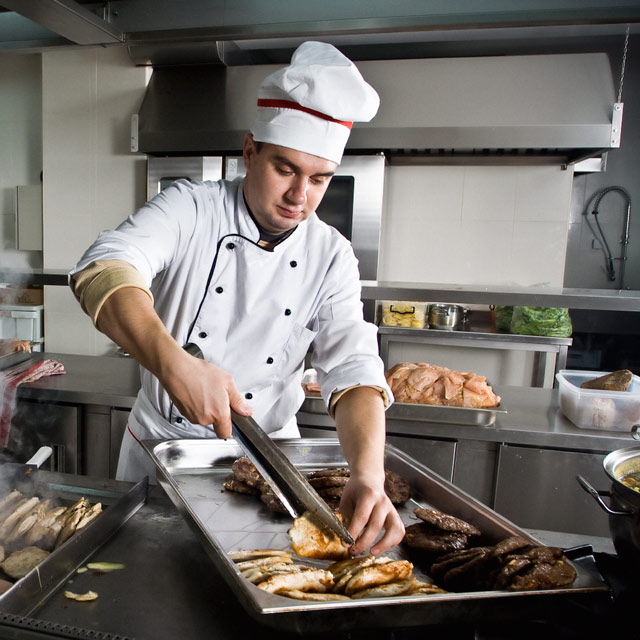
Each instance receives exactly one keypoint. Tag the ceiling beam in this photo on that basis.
(68, 19)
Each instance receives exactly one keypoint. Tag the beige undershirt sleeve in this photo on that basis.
(95, 283)
(338, 394)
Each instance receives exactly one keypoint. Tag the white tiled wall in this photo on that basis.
(497, 225)
(493, 225)
(92, 181)
(20, 148)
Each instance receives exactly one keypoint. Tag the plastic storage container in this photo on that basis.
(595, 409)
(24, 322)
(398, 313)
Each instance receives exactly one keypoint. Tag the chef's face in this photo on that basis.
(283, 187)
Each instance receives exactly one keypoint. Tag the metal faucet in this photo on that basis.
(611, 273)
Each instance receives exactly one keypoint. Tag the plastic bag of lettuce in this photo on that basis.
(541, 321)
(503, 318)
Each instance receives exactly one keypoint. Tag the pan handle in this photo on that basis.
(40, 456)
(596, 495)
(635, 432)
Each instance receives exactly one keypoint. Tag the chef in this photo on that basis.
(246, 271)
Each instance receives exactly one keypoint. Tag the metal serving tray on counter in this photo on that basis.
(192, 473)
(425, 413)
(445, 415)
(120, 501)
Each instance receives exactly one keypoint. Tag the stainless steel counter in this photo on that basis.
(97, 380)
(533, 418)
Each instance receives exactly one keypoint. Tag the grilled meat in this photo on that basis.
(514, 564)
(421, 536)
(244, 470)
(334, 473)
(396, 487)
(378, 574)
(445, 522)
(308, 595)
(309, 540)
(387, 590)
(23, 508)
(233, 484)
(27, 522)
(9, 503)
(329, 481)
(242, 555)
(329, 484)
(544, 575)
(20, 562)
(317, 580)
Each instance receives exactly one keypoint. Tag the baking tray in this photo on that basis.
(120, 501)
(192, 473)
(465, 416)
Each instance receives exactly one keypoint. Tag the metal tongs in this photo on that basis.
(289, 485)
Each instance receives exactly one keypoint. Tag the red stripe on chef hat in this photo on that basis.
(289, 104)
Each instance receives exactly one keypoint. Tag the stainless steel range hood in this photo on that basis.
(560, 105)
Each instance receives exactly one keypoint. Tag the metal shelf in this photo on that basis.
(602, 299)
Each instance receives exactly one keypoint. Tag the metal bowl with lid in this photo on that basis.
(447, 317)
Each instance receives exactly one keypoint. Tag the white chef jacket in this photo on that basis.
(253, 312)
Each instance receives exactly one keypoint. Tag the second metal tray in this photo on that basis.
(425, 413)
(192, 473)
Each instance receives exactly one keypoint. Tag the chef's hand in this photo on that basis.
(369, 512)
(205, 393)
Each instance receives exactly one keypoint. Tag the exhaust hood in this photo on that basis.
(559, 105)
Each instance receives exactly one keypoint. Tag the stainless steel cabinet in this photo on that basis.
(537, 488)
(35, 424)
(438, 455)
(103, 428)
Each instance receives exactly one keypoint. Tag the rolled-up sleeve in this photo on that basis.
(345, 349)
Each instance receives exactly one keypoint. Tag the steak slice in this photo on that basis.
(543, 575)
(469, 576)
(328, 482)
(419, 536)
(511, 545)
(396, 487)
(333, 473)
(232, 483)
(245, 471)
(446, 522)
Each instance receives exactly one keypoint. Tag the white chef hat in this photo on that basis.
(311, 104)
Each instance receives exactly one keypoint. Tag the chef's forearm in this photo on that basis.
(127, 317)
(360, 425)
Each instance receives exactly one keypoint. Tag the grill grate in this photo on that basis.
(14, 626)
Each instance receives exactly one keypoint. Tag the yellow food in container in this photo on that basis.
(403, 314)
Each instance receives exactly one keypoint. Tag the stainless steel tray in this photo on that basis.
(446, 415)
(426, 413)
(192, 473)
(120, 501)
